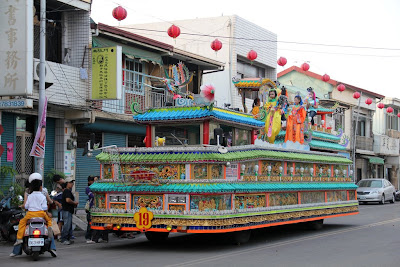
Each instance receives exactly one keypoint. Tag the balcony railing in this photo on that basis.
(135, 90)
(365, 143)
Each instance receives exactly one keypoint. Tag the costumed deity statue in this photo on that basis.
(273, 108)
(312, 104)
(256, 108)
(295, 121)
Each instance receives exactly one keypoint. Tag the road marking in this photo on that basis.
(279, 244)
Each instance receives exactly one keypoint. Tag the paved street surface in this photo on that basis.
(371, 238)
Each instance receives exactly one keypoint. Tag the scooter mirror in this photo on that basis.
(20, 198)
(11, 189)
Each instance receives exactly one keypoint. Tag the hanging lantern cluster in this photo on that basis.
(174, 31)
(341, 87)
(356, 95)
(216, 45)
(305, 66)
(368, 101)
(252, 55)
(119, 13)
(282, 61)
(389, 110)
(326, 77)
(381, 105)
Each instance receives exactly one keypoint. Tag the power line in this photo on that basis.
(266, 40)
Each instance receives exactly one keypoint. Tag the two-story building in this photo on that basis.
(386, 138)
(348, 111)
(68, 41)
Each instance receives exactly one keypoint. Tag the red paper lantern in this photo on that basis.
(305, 67)
(381, 105)
(389, 110)
(326, 77)
(341, 87)
(119, 13)
(398, 114)
(356, 95)
(368, 101)
(252, 55)
(216, 45)
(174, 31)
(282, 61)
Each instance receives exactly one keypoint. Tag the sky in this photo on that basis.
(370, 28)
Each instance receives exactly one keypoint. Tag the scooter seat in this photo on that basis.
(37, 220)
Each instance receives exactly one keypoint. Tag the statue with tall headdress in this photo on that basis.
(295, 121)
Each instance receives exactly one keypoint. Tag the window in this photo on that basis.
(135, 140)
(338, 118)
(392, 121)
(242, 137)
(133, 81)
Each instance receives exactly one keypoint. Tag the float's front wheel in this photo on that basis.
(240, 237)
(156, 236)
(315, 225)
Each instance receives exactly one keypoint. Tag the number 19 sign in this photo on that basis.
(143, 218)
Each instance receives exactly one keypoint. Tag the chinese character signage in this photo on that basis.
(16, 47)
(39, 144)
(106, 73)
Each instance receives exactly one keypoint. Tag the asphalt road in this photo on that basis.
(371, 238)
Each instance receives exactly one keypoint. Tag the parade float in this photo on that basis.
(207, 169)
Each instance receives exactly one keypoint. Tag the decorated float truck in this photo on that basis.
(203, 170)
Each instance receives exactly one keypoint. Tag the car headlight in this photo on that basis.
(375, 192)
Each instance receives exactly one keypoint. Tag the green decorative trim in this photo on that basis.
(220, 187)
(155, 157)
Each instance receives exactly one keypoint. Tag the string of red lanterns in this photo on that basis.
(252, 55)
(356, 95)
(381, 105)
(341, 87)
(174, 31)
(119, 13)
(389, 110)
(305, 66)
(326, 77)
(368, 101)
(216, 45)
(282, 61)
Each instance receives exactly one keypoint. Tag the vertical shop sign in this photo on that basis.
(107, 73)
(16, 47)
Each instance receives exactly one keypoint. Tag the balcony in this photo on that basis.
(393, 133)
(385, 145)
(365, 143)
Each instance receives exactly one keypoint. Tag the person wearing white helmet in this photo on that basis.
(36, 204)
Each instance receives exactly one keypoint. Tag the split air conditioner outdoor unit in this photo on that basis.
(49, 76)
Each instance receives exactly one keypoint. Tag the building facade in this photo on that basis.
(386, 138)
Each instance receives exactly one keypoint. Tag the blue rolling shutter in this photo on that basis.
(50, 149)
(85, 166)
(9, 135)
(115, 139)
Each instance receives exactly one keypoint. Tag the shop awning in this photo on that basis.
(376, 160)
(131, 52)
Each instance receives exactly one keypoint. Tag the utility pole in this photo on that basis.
(355, 139)
(42, 75)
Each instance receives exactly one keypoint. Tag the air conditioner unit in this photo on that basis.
(49, 76)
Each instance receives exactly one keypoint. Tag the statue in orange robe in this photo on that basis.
(295, 121)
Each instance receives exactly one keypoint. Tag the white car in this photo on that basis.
(375, 190)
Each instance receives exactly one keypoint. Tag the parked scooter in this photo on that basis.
(10, 216)
(36, 239)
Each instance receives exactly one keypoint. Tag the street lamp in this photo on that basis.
(280, 173)
(242, 168)
(311, 173)
(291, 172)
(301, 173)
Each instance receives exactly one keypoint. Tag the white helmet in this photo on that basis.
(35, 176)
